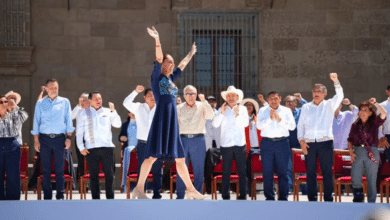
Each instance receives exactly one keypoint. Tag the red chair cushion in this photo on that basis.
(387, 179)
(23, 176)
(191, 176)
(232, 177)
(134, 175)
(54, 176)
(258, 178)
(348, 179)
(87, 176)
(305, 178)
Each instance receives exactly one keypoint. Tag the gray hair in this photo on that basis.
(189, 87)
(290, 96)
(322, 86)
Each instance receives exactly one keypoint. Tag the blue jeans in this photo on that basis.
(10, 165)
(275, 155)
(156, 170)
(52, 147)
(323, 151)
(195, 149)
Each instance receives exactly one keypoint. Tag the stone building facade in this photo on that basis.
(103, 45)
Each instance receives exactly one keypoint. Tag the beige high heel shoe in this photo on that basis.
(194, 195)
(138, 194)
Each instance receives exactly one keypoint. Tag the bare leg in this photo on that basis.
(182, 170)
(145, 169)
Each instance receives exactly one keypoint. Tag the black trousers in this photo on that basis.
(228, 154)
(213, 157)
(105, 155)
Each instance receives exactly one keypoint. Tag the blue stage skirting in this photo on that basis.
(182, 210)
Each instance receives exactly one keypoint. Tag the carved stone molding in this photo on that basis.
(180, 4)
(16, 56)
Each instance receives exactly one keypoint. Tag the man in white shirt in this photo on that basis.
(275, 122)
(342, 123)
(94, 127)
(144, 113)
(83, 104)
(232, 119)
(384, 130)
(315, 136)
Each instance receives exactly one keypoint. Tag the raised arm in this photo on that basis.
(159, 54)
(381, 109)
(338, 98)
(188, 58)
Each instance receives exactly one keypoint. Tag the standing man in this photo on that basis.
(52, 130)
(192, 116)
(316, 137)
(342, 123)
(83, 104)
(384, 130)
(144, 113)
(291, 102)
(94, 128)
(232, 119)
(213, 151)
(275, 122)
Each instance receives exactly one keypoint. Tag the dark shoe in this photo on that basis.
(358, 195)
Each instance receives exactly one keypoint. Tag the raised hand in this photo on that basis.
(193, 49)
(298, 96)
(201, 97)
(223, 108)
(372, 101)
(153, 32)
(139, 88)
(112, 107)
(43, 88)
(346, 102)
(333, 77)
(261, 98)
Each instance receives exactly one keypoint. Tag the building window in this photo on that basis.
(14, 23)
(227, 51)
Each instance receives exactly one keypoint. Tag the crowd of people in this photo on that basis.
(166, 129)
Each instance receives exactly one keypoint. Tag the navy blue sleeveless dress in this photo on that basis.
(164, 140)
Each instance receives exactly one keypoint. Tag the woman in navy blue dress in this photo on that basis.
(164, 139)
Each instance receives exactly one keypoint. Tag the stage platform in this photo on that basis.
(184, 210)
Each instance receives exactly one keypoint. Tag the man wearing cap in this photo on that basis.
(192, 116)
(275, 122)
(14, 99)
(52, 130)
(315, 136)
(232, 119)
(213, 152)
(144, 113)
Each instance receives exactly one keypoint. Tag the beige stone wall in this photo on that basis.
(103, 45)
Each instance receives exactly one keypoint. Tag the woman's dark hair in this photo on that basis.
(254, 109)
(371, 108)
(165, 56)
(2, 96)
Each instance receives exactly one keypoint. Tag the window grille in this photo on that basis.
(15, 17)
(227, 51)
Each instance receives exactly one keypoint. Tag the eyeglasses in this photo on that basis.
(3, 102)
(12, 97)
(191, 94)
(290, 102)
